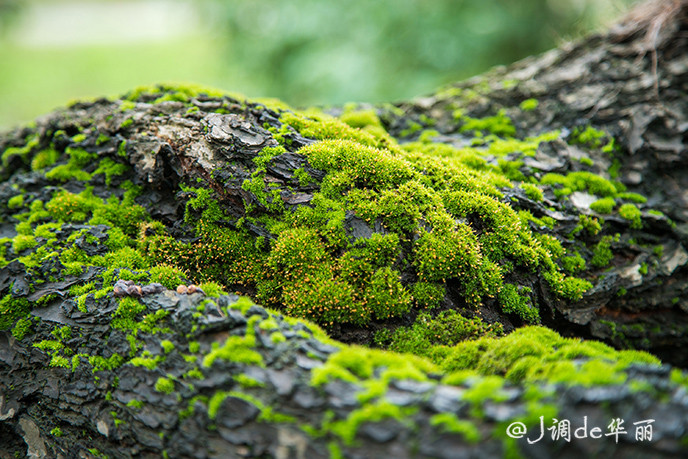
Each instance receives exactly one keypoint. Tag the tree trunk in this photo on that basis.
(112, 208)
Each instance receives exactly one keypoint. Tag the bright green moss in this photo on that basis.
(358, 364)
(580, 181)
(22, 328)
(633, 197)
(169, 276)
(360, 118)
(246, 382)
(532, 191)
(632, 213)
(573, 263)
(540, 354)
(78, 160)
(22, 242)
(237, 349)
(15, 202)
(363, 165)
(446, 329)
(373, 412)
(590, 224)
(22, 152)
(11, 309)
(56, 432)
(602, 253)
(125, 314)
(603, 206)
(589, 137)
(320, 126)
(385, 296)
(528, 105)
(519, 303)
(428, 295)
(584, 160)
(100, 363)
(499, 124)
(167, 346)
(164, 385)
(148, 362)
(110, 169)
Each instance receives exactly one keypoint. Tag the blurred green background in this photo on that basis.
(302, 51)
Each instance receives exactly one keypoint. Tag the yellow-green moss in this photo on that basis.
(164, 385)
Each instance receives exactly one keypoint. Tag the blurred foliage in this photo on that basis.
(315, 51)
(303, 51)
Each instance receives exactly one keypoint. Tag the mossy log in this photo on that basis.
(187, 273)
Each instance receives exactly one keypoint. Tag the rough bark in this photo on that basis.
(62, 395)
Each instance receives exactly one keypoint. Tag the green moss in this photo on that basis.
(124, 317)
(169, 276)
(633, 197)
(540, 354)
(580, 181)
(22, 328)
(246, 382)
(632, 213)
(15, 202)
(574, 263)
(11, 309)
(164, 385)
(22, 242)
(79, 159)
(589, 137)
(100, 363)
(519, 303)
(23, 152)
(428, 295)
(167, 346)
(374, 412)
(499, 124)
(56, 432)
(643, 268)
(110, 169)
(427, 333)
(590, 224)
(532, 191)
(602, 253)
(360, 118)
(603, 206)
(148, 362)
(237, 349)
(528, 105)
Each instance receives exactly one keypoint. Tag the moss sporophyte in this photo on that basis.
(420, 233)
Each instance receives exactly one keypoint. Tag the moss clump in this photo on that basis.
(540, 354)
(532, 191)
(580, 181)
(11, 309)
(518, 303)
(15, 202)
(499, 124)
(428, 295)
(449, 422)
(528, 105)
(169, 276)
(602, 253)
(603, 206)
(164, 385)
(79, 159)
(446, 329)
(632, 213)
